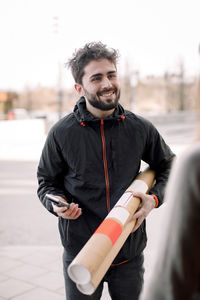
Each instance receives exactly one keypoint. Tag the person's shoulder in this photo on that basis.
(64, 123)
(61, 127)
(137, 118)
(142, 124)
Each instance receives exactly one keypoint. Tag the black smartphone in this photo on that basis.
(57, 201)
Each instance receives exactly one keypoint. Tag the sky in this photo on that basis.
(152, 36)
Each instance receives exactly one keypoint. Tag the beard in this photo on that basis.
(104, 105)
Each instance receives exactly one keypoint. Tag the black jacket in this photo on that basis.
(92, 162)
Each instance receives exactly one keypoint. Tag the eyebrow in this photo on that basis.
(100, 74)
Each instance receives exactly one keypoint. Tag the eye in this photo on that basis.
(98, 78)
(111, 76)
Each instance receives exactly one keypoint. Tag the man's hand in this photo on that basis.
(147, 204)
(73, 212)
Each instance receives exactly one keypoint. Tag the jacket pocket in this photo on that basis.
(64, 230)
(74, 234)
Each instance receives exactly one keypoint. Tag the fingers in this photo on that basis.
(59, 210)
(139, 216)
(73, 212)
(147, 204)
(138, 223)
(139, 195)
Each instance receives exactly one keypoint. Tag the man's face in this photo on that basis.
(100, 84)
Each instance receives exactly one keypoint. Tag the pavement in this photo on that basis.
(35, 272)
(32, 272)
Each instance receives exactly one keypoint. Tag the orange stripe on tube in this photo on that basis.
(111, 229)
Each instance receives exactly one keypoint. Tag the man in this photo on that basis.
(90, 158)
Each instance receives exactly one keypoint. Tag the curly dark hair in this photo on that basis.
(91, 51)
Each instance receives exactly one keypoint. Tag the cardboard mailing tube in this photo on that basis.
(90, 265)
(90, 287)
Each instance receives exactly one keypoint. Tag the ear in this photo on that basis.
(79, 89)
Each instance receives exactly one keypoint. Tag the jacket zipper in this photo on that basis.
(105, 166)
(106, 177)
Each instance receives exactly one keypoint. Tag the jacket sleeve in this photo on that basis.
(159, 157)
(50, 171)
(176, 271)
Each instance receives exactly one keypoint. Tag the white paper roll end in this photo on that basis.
(87, 289)
(79, 274)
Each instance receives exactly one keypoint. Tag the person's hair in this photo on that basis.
(91, 51)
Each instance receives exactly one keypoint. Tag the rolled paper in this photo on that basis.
(89, 258)
(90, 287)
(90, 265)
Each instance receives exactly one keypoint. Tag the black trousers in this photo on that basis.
(125, 281)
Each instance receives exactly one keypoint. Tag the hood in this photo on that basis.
(83, 115)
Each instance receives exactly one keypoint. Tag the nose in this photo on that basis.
(106, 83)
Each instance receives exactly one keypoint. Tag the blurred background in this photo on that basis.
(158, 42)
(159, 70)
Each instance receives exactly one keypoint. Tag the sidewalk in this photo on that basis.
(32, 273)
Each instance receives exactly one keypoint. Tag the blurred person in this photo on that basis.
(90, 158)
(176, 273)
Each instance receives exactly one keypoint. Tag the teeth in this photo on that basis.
(108, 94)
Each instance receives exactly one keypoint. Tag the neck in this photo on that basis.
(98, 113)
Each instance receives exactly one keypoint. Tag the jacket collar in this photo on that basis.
(83, 115)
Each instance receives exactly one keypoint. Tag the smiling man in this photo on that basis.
(100, 87)
(90, 158)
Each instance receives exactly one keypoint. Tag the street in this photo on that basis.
(23, 219)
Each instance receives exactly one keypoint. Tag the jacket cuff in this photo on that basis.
(156, 200)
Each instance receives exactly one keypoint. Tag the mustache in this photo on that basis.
(107, 91)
